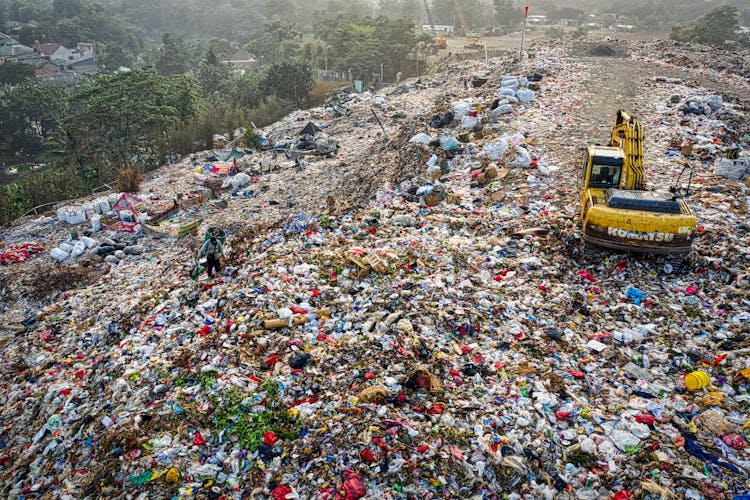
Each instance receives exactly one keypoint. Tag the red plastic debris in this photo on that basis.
(367, 455)
(270, 438)
(354, 488)
(645, 419)
(577, 374)
(281, 492)
(734, 440)
(199, 441)
(586, 276)
(20, 252)
(436, 410)
(562, 415)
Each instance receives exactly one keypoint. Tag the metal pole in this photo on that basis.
(486, 57)
(381, 73)
(523, 33)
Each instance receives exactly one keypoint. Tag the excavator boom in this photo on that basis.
(474, 40)
(440, 41)
(627, 134)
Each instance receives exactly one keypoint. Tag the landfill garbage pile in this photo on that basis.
(416, 317)
(703, 58)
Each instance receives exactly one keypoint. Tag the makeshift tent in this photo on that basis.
(310, 129)
(127, 201)
(224, 155)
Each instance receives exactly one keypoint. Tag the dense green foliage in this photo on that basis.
(12, 72)
(715, 28)
(125, 119)
(29, 112)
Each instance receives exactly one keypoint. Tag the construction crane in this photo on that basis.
(440, 41)
(474, 40)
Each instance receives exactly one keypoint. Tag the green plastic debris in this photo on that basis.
(141, 479)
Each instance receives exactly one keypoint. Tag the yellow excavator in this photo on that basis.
(440, 41)
(616, 209)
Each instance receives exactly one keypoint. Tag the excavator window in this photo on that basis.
(605, 176)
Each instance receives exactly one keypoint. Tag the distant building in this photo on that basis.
(13, 27)
(52, 62)
(79, 61)
(69, 78)
(48, 49)
(536, 19)
(242, 59)
(12, 50)
(441, 29)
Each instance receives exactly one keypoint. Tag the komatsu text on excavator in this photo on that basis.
(616, 209)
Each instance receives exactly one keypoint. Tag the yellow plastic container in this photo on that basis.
(697, 380)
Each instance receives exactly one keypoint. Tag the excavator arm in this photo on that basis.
(474, 39)
(627, 134)
(440, 41)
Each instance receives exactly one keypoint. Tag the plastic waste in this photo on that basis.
(461, 109)
(635, 295)
(715, 102)
(470, 121)
(78, 249)
(525, 95)
(502, 109)
(521, 158)
(494, 150)
(697, 380)
(96, 223)
(421, 138)
(59, 254)
(449, 143)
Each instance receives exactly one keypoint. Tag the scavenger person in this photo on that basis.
(213, 251)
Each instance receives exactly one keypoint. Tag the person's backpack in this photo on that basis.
(212, 249)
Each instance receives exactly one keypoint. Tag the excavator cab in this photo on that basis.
(605, 176)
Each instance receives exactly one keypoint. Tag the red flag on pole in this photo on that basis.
(526, 11)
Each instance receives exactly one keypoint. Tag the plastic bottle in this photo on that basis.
(78, 249)
(59, 254)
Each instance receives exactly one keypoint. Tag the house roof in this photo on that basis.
(47, 49)
(11, 48)
(242, 56)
